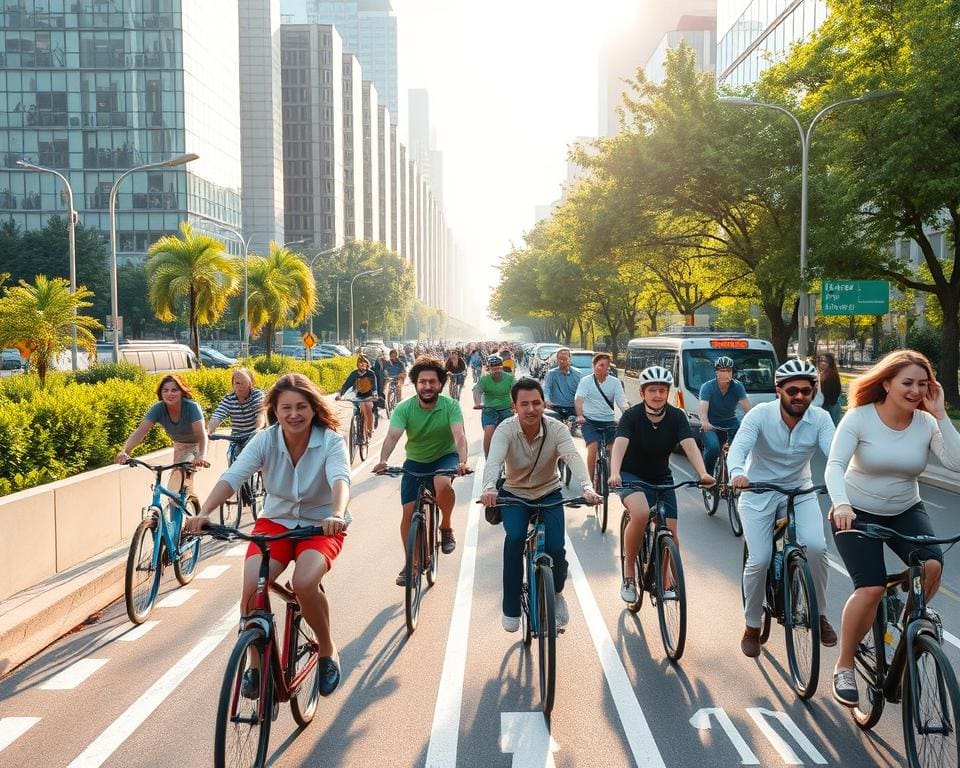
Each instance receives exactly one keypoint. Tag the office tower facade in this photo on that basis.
(312, 77)
(403, 199)
(385, 176)
(371, 164)
(394, 188)
(95, 89)
(696, 32)
(352, 147)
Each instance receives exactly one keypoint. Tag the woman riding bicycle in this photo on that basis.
(645, 439)
(456, 368)
(364, 383)
(306, 476)
(243, 406)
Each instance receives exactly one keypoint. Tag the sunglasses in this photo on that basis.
(794, 391)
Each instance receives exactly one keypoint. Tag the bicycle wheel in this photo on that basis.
(526, 602)
(870, 668)
(185, 564)
(361, 439)
(232, 511)
(352, 438)
(432, 542)
(637, 565)
(142, 579)
(711, 497)
(546, 637)
(801, 624)
(243, 725)
(392, 399)
(930, 732)
(733, 512)
(256, 494)
(600, 485)
(413, 588)
(301, 652)
(671, 598)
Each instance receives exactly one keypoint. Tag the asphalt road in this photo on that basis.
(459, 691)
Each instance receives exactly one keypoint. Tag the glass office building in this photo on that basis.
(93, 89)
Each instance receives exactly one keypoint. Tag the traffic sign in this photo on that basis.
(855, 297)
(309, 340)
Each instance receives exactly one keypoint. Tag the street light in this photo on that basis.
(114, 300)
(312, 314)
(802, 308)
(360, 274)
(72, 239)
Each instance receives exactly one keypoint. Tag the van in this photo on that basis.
(152, 356)
(690, 356)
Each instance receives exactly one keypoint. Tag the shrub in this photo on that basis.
(107, 371)
(927, 341)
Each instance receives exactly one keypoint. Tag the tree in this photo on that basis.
(282, 292)
(40, 316)
(196, 269)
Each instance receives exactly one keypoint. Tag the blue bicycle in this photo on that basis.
(156, 537)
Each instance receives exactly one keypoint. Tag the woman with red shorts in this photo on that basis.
(306, 476)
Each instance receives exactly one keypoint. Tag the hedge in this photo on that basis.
(81, 420)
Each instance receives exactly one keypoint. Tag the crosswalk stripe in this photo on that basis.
(73, 675)
(212, 571)
(177, 598)
(128, 633)
(12, 728)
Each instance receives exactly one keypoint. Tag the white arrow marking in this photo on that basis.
(759, 715)
(525, 736)
(701, 721)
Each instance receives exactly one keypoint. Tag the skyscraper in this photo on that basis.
(371, 162)
(352, 147)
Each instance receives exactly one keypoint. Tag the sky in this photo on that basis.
(512, 84)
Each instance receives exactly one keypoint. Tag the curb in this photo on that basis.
(947, 481)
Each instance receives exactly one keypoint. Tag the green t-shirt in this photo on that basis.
(428, 430)
(496, 394)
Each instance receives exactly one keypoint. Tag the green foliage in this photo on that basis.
(107, 371)
(282, 292)
(927, 341)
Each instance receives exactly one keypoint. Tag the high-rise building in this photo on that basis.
(312, 75)
(369, 31)
(371, 162)
(394, 238)
(352, 147)
(696, 32)
(418, 125)
(385, 176)
(95, 89)
(403, 202)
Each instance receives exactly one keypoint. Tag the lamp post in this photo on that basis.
(802, 307)
(72, 240)
(359, 274)
(312, 314)
(114, 300)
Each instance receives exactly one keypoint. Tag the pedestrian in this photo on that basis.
(828, 396)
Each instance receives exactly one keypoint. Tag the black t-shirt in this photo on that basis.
(648, 454)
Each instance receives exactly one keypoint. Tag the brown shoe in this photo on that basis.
(828, 636)
(750, 644)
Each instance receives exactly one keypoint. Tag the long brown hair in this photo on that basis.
(868, 388)
(181, 385)
(323, 416)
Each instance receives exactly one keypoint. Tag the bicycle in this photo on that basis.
(251, 492)
(477, 371)
(909, 634)
(601, 476)
(357, 440)
(157, 535)
(790, 595)
(423, 542)
(722, 489)
(289, 668)
(393, 395)
(537, 614)
(658, 569)
(456, 384)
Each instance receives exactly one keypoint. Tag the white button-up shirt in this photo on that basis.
(297, 495)
(767, 451)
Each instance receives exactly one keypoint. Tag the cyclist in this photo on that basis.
(476, 363)
(774, 444)
(645, 439)
(456, 368)
(719, 398)
(560, 385)
(243, 405)
(897, 418)
(364, 383)
(306, 475)
(179, 415)
(526, 448)
(493, 389)
(507, 356)
(435, 440)
(594, 402)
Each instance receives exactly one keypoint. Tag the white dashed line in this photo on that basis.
(238, 550)
(128, 633)
(177, 598)
(213, 571)
(73, 675)
(12, 728)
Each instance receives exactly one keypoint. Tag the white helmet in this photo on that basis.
(796, 369)
(655, 374)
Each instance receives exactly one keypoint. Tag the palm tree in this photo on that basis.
(39, 318)
(195, 267)
(282, 292)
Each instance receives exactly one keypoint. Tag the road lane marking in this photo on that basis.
(760, 715)
(12, 728)
(635, 725)
(73, 675)
(525, 736)
(445, 732)
(177, 598)
(701, 721)
(213, 571)
(237, 550)
(129, 632)
(97, 753)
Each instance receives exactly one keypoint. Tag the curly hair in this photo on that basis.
(428, 363)
(869, 388)
(323, 416)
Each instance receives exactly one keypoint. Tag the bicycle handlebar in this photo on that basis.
(397, 471)
(158, 467)
(576, 501)
(241, 438)
(789, 492)
(226, 533)
(882, 533)
(640, 485)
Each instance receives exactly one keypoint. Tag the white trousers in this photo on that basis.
(759, 511)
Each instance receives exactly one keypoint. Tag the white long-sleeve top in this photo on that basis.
(767, 451)
(875, 468)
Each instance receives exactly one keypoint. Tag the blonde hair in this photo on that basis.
(242, 369)
(869, 388)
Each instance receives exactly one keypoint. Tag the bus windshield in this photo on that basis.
(754, 368)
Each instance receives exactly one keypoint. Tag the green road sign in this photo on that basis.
(855, 297)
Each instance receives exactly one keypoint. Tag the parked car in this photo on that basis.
(538, 360)
(213, 358)
(11, 364)
(293, 350)
(152, 356)
(333, 349)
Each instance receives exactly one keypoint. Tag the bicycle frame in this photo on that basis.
(170, 528)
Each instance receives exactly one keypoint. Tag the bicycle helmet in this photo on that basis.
(494, 360)
(796, 369)
(655, 375)
(724, 362)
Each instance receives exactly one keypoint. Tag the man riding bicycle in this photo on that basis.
(364, 383)
(493, 389)
(560, 385)
(435, 440)
(393, 370)
(719, 398)
(594, 402)
(774, 444)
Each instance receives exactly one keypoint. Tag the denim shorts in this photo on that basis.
(491, 417)
(592, 431)
(409, 484)
(669, 497)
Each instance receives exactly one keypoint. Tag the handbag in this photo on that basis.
(494, 515)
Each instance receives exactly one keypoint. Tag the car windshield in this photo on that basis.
(582, 360)
(213, 354)
(546, 350)
(754, 368)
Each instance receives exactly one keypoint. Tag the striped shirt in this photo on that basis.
(243, 416)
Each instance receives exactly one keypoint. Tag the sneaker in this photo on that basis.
(329, 674)
(447, 541)
(511, 623)
(828, 636)
(750, 643)
(250, 684)
(845, 687)
(560, 610)
(669, 594)
(628, 591)
(402, 578)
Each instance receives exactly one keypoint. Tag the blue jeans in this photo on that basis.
(712, 441)
(515, 523)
